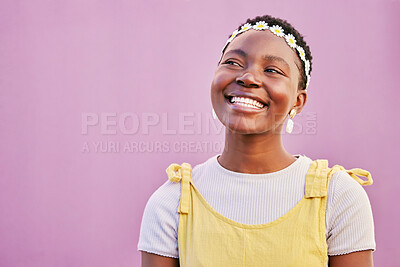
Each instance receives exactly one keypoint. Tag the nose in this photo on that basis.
(248, 80)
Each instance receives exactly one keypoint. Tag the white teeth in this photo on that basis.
(246, 102)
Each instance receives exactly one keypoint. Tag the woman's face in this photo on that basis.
(257, 65)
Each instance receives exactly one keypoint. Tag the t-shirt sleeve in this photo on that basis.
(349, 224)
(159, 228)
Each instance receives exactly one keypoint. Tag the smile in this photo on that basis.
(245, 104)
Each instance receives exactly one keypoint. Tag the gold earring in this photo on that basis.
(289, 125)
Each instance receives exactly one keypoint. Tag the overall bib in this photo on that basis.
(208, 239)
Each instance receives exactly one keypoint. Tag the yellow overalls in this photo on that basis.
(207, 238)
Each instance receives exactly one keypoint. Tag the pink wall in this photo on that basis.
(71, 66)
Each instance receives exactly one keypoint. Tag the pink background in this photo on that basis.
(62, 60)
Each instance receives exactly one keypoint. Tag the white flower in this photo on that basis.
(277, 30)
(245, 27)
(307, 66)
(260, 25)
(291, 40)
(234, 34)
(301, 53)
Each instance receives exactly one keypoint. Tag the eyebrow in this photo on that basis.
(237, 51)
(275, 58)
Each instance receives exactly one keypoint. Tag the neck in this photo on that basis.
(254, 153)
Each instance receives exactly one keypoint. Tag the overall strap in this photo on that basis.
(181, 173)
(319, 174)
(354, 173)
(317, 179)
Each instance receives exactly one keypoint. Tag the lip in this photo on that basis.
(247, 95)
(243, 108)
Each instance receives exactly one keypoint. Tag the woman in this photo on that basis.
(256, 204)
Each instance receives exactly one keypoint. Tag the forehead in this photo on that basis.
(261, 43)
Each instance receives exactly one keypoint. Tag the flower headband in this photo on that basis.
(278, 31)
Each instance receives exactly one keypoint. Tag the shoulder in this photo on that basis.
(341, 183)
(344, 189)
(349, 218)
(164, 200)
(167, 196)
(159, 227)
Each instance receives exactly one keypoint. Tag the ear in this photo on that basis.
(300, 100)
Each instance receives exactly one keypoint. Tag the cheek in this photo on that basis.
(220, 81)
(281, 100)
(284, 95)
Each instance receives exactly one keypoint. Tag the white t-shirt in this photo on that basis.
(258, 199)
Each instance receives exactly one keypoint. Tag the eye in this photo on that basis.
(231, 62)
(272, 70)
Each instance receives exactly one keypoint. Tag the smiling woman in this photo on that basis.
(256, 204)
(253, 61)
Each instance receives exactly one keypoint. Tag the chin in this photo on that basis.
(252, 127)
(243, 128)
